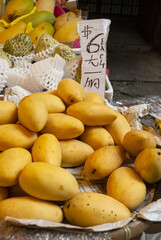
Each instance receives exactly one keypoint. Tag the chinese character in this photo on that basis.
(92, 60)
(86, 31)
(92, 82)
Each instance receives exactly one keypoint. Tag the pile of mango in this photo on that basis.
(65, 128)
(35, 19)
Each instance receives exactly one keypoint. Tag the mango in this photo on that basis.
(12, 31)
(126, 186)
(136, 140)
(15, 135)
(63, 126)
(118, 128)
(12, 161)
(148, 164)
(47, 149)
(48, 182)
(8, 112)
(91, 208)
(32, 113)
(17, 8)
(74, 152)
(70, 91)
(53, 103)
(68, 31)
(45, 5)
(3, 193)
(40, 29)
(40, 17)
(92, 114)
(94, 97)
(59, 22)
(97, 137)
(30, 208)
(103, 161)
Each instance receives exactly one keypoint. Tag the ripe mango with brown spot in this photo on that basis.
(48, 182)
(91, 208)
(103, 161)
(148, 165)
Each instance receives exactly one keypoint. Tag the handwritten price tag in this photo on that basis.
(93, 38)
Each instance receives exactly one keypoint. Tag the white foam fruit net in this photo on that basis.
(45, 53)
(48, 72)
(28, 58)
(44, 74)
(4, 69)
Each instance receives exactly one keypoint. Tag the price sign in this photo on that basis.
(93, 37)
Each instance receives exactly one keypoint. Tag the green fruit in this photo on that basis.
(20, 45)
(40, 29)
(65, 52)
(4, 56)
(40, 17)
(45, 41)
(17, 8)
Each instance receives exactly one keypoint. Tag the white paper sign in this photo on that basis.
(93, 37)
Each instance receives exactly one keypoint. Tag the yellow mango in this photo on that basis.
(148, 164)
(12, 161)
(30, 208)
(48, 182)
(45, 5)
(68, 31)
(136, 140)
(32, 113)
(8, 112)
(63, 126)
(47, 149)
(41, 28)
(74, 152)
(12, 31)
(15, 135)
(103, 161)
(17, 8)
(126, 186)
(97, 137)
(94, 97)
(70, 91)
(3, 193)
(118, 128)
(91, 208)
(92, 114)
(59, 22)
(53, 103)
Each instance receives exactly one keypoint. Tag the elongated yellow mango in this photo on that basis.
(47, 149)
(63, 126)
(103, 161)
(91, 113)
(8, 112)
(12, 162)
(48, 182)
(91, 208)
(118, 128)
(30, 208)
(14, 135)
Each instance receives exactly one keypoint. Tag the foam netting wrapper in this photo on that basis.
(45, 53)
(28, 58)
(4, 69)
(34, 77)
